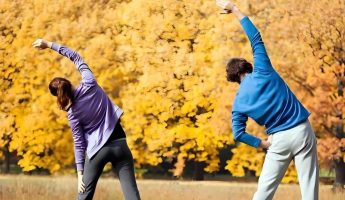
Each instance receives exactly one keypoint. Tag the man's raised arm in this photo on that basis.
(261, 59)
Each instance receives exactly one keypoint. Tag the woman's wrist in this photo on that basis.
(49, 44)
(80, 173)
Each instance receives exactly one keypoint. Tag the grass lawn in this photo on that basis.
(64, 188)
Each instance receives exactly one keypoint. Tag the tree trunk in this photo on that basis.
(339, 165)
(339, 131)
(198, 174)
(339, 174)
(7, 160)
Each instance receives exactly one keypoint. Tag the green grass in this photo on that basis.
(327, 173)
(64, 187)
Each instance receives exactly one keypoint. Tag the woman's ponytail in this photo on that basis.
(62, 89)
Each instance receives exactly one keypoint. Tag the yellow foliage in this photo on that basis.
(245, 158)
(164, 66)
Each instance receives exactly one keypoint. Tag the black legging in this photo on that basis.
(117, 152)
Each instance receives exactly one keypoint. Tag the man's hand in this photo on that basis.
(265, 144)
(42, 44)
(225, 5)
(81, 185)
(230, 7)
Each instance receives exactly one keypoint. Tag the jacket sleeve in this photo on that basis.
(79, 142)
(261, 59)
(239, 123)
(82, 67)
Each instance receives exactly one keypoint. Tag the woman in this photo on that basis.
(265, 97)
(95, 123)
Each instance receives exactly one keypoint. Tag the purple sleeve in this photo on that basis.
(79, 142)
(83, 68)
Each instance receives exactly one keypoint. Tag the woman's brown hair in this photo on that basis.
(63, 90)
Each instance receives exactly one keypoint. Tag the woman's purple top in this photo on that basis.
(92, 115)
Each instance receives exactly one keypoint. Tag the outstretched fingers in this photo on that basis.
(40, 44)
(37, 43)
(222, 4)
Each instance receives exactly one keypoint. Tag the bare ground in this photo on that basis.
(64, 188)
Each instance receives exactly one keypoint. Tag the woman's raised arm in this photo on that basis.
(83, 68)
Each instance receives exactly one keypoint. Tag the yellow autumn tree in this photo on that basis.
(178, 112)
(127, 51)
(38, 131)
(325, 44)
(163, 63)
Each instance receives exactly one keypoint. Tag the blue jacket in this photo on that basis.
(264, 96)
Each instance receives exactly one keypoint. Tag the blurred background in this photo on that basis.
(163, 62)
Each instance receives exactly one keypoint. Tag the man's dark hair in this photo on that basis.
(236, 67)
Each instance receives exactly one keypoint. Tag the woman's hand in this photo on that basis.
(81, 185)
(265, 144)
(42, 44)
(225, 5)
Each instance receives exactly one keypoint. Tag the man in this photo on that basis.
(266, 98)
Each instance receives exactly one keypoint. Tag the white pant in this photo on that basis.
(298, 144)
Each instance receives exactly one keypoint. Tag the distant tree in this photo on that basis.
(165, 66)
